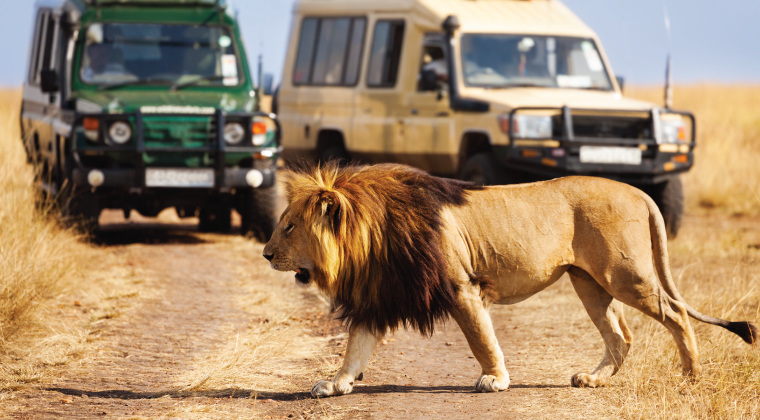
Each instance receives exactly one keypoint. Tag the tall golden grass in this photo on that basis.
(726, 174)
(716, 262)
(36, 255)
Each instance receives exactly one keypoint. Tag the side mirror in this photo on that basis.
(620, 82)
(428, 81)
(49, 81)
(267, 85)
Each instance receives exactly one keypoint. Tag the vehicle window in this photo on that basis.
(500, 60)
(329, 51)
(43, 33)
(385, 54)
(433, 61)
(116, 53)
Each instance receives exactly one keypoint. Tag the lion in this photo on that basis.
(393, 246)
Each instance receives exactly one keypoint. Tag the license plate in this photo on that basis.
(183, 178)
(621, 155)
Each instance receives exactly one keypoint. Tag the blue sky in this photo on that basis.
(711, 41)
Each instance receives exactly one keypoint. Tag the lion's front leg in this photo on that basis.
(361, 345)
(475, 323)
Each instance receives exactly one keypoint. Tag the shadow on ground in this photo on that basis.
(278, 396)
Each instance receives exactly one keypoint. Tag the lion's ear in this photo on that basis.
(329, 205)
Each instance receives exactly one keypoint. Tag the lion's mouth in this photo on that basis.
(303, 276)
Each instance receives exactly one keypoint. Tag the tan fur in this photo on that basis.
(514, 241)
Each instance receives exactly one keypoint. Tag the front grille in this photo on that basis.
(164, 131)
(621, 127)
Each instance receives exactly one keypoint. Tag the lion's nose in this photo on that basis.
(269, 256)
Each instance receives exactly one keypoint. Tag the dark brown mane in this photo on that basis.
(386, 222)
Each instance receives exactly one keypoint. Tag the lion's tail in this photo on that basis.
(747, 331)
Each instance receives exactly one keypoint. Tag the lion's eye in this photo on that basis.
(289, 227)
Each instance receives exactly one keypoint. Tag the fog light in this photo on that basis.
(96, 177)
(254, 178)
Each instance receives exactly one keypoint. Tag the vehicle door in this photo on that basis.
(426, 117)
(41, 109)
(326, 70)
(377, 132)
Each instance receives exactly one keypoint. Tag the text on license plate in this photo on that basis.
(621, 155)
(187, 178)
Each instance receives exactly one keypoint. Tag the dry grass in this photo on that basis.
(50, 287)
(726, 174)
(718, 273)
(36, 255)
(717, 265)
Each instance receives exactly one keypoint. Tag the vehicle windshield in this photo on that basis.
(502, 61)
(138, 54)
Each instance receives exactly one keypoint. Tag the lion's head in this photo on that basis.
(369, 237)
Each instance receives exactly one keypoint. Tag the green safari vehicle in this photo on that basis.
(147, 105)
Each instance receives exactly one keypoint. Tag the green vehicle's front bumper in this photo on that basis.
(187, 150)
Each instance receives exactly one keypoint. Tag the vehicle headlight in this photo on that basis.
(259, 129)
(120, 132)
(673, 129)
(528, 126)
(233, 133)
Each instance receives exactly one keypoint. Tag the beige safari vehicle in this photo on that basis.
(491, 91)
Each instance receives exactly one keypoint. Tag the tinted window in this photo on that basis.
(40, 57)
(329, 51)
(385, 54)
(305, 51)
(503, 60)
(161, 54)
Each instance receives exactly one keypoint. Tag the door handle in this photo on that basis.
(415, 111)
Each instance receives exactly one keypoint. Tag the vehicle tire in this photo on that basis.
(81, 210)
(482, 169)
(336, 153)
(258, 213)
(215, 219)
(669, 199)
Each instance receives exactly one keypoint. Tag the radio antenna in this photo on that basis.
(668, 75)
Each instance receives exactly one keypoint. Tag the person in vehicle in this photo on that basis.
(105, 64)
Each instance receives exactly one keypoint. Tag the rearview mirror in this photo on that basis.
(49, 81)
(620, 82)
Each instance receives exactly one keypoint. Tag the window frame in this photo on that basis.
(399, 55)
(315, 46)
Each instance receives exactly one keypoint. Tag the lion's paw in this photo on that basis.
(490, 383)
(584, 380)
(330, 388)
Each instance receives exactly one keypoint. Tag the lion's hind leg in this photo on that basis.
(607, 314)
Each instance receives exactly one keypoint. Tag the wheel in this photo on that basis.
(482, 169)
(337, 153)
(215, 219)
(257, 210)
(80, 209)
(669, 199)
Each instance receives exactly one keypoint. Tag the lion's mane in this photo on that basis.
(377, 232)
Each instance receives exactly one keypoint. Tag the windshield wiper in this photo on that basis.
(178, 86)
(141, 82)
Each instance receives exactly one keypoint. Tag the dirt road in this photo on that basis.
(158, 355)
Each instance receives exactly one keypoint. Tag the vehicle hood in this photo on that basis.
(511, 98)
(126, 101)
